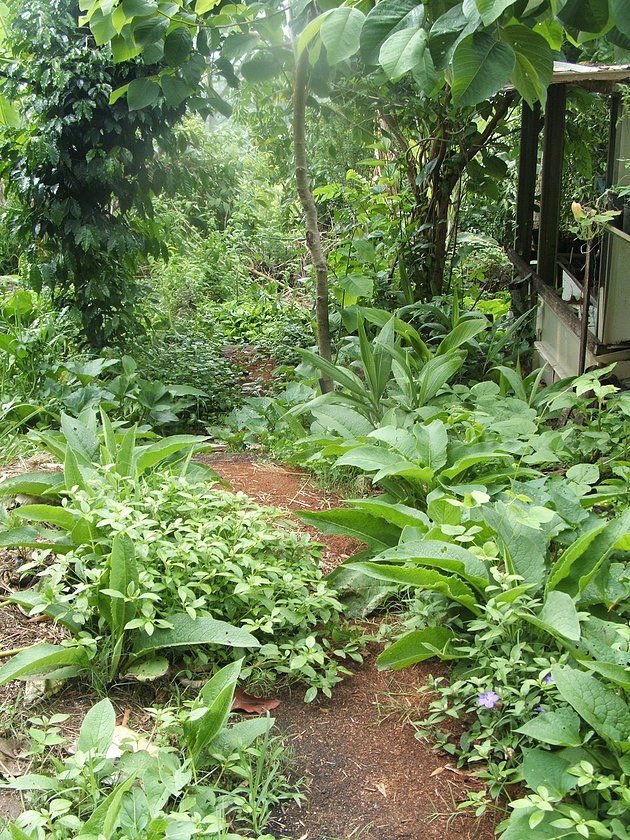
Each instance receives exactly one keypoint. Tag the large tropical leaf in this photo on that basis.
(340, 33)
(481, 66)
(386, 17)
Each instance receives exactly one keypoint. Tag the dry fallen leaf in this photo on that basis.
(244, 702)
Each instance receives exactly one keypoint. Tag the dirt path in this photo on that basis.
(369, 778)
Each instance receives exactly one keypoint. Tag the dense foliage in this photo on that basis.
(159, 303)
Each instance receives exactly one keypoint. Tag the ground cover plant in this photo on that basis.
(235, 226)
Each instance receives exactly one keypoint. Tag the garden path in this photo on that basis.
(369, 778)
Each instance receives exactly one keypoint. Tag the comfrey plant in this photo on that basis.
(118, 785)
(534, 588)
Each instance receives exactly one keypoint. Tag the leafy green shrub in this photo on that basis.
(189, 360)
(145, 558)
(276, 325)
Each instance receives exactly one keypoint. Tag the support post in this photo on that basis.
(527, 166)
(551, 187)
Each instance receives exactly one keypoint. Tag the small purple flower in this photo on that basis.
(547, 679)
(488, 699)
(539, 710)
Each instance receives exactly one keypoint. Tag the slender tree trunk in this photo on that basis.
(313, 238)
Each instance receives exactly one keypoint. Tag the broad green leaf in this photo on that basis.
(431, 442)
(9, 115)
(481, 67)
(104, 818)
(603, 709)
(562, 567)
(310, 31)
(177, 46)
(441, 555)
(80, 435)
(466, 457)
(149, 669)
(549, 769)
(355, 286)
(430, 579)
(534, 62)
(524, 544)
(576, 568)
(148, 456)
(363, 526)
(341, 419)
(460, 334)
(216, 697)
(560, 728)
(385, 18)
(32, 781)
(241, 735)
(97, 729)
(52, 514)
(175, 90)
(73, 475)
(124, 458)
(340, 33)
(399, 439)
(415, 646)
(397, 514)
(204, 6)
(435, 374)
(614, 673)
(448, 31)
(402, 51)
(621, 11)
(102, 27)
(40, 659)
(32, 484)
(382, 462)
(138, 8)
(142, 93)
(559, 614)
(122, 571)
(190, 632)
(585, 15)
(490, 10)
(337, 373)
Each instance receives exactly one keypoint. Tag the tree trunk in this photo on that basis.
(313, 238)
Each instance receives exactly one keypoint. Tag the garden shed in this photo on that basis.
(551, 262)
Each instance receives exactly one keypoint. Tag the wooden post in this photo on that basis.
(553, 157)
(527, 165)
(586, 300)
